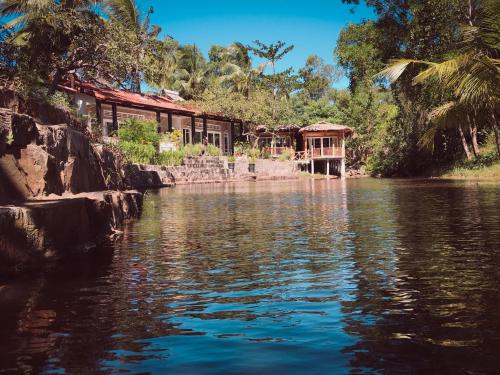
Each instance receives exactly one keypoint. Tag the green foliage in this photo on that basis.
(287, 154)
(9, 138)
(241, 148)
(213, 150)
(138, 152)
(175, 137)
(60, 100)
(170, 158)
(231, 159)
(139, 141)
(142, 132)
(191, 150)
(317, 77)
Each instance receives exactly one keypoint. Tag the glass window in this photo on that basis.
(186, 136)
(226, 143)
(197, 137)
(217, 139)
(317, 143)
(326, 142)
(211, 138)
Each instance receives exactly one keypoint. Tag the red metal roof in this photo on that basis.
(148, 101)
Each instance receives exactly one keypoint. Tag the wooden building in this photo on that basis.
(109, 107)
(323, 147)
(276, 141)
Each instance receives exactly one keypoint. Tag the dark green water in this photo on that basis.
(306, 277)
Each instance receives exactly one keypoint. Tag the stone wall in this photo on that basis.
(207, 170)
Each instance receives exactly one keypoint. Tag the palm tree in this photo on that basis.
(191, 75)
(271, 52)
(472, 77)
(25, 12)
(126, 13)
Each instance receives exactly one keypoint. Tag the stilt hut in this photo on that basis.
(323, 147)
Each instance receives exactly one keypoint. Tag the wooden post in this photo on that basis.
(205, 129)
(158, 121)
(115, 116)
(193, 128)
(312, 166)
(328, 167)
(170, 122)
(98, 116)
(231, 150)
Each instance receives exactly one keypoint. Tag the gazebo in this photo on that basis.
(323, 146)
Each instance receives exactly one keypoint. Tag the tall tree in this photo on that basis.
(139, 29)
(317, 77)
(472, 77)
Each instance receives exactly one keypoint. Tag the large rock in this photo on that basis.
(36, 232)
(53, 159)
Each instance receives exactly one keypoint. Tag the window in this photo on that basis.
(186, 136)
(226, 144)
(197, 137)
(211, 138)
(327, 142)
(317, 142)
(217, 139)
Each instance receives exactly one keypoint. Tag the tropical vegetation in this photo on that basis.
(423, 76)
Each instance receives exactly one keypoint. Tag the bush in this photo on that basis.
(142, 132)
(174, 137)
(137, 152)
(170, 158)
(60, 100)
(287, 154)
(241, 148)
(193, 150)
(213, 150)
(139, 141)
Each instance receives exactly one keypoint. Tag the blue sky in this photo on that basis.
(312, 26)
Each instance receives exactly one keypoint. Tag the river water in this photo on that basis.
(302, 277)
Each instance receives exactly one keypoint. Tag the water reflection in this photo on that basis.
(302, 277)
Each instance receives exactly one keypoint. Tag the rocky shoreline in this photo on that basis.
(60, 192)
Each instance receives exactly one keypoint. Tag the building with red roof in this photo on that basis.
(109, 107)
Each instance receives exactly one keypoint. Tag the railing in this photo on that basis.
(276, 151)
(318, 153)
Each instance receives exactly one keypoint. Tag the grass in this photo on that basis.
(490, 172)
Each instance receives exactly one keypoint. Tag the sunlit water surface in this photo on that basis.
(306, 277)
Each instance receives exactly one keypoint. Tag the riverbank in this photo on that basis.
(491, 172)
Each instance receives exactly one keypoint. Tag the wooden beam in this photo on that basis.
(98, 116)
(170, 122)
(158, 121)
(231, 150)
(193, 128)
(205, 129)
(115, 116)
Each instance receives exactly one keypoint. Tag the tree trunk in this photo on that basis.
(464, 143)
(473, 136)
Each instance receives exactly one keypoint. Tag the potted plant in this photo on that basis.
(230, 162)
(252, 156)
(251, 165)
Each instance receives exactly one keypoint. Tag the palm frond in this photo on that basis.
(124, 11)
(396, 68)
